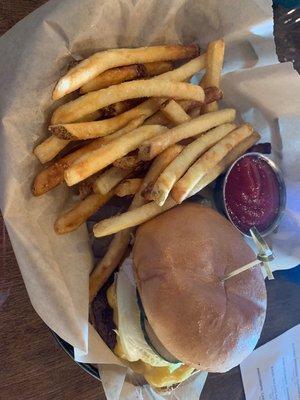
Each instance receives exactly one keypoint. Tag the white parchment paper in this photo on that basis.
(38, 50)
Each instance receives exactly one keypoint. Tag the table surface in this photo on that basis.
(33, 366)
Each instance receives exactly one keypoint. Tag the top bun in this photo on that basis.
(180, 258)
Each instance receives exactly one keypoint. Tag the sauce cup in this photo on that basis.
(274, 222)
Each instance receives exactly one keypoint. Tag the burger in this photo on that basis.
(173, 312)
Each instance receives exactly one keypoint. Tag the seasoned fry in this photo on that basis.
(95, 129)
(92, 101)
(208, 161)
(235, 153)
(151, 148)
(175, 113)
(53, 175)
(109, 179)
(96, 160)
(127, 162)
(93, 66)
(72, 219)
(214, 65)
(185, 159)
(128, 187)
(126, 73)
(120, 242)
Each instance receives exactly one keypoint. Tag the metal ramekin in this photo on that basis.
(282, 192)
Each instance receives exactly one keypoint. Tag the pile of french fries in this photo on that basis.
(142, 130)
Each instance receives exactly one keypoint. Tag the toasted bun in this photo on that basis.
(179, 260)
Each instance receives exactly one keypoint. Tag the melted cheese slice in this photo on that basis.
(131, 345)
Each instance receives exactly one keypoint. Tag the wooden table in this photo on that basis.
(32, 364)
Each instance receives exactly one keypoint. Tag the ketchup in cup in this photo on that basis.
(254, 194)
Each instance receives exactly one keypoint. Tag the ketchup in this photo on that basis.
(252, 194)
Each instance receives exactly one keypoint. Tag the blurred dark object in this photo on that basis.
(263, 148)
(287, 31)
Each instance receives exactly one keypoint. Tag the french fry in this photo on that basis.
(221, 167)
(185, 71)
(71, 220)
(150, 148)
(120, 242)
(174, 112)
(211, 94)
(118, 108)
(127, 162)
(85, 188)
(113, 257)
(214, 65)
(96, 160)
(185, 159)
(128, 187)
(51, 146)
(109, 179)
(131, 218)
(92, 101)
(126, 73)
(208, 161)
(95, 129)
(93, 66)
(53, 175)
(137, 216)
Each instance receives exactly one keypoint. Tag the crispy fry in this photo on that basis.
(185, 159)
(72, 219)
(109, 179)
(151, 148)
(126, 73)
(235, 153)
(208, 161)
(127, 162)
(53, 175)
(174, 112)
(96, 160)
(93, 66)
(120, 242)
(158, 166)
(51, 146)
(128, 187)
(214, 65)
(92, 101)
(95, 129)
(124, 122)
(131, 218)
